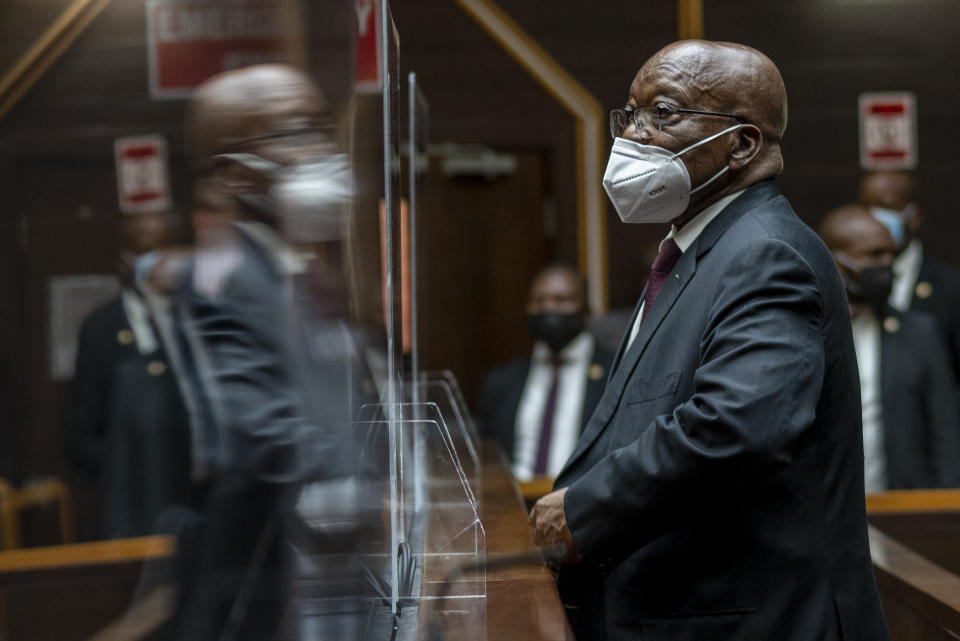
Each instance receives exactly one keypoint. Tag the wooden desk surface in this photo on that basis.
(522, 601)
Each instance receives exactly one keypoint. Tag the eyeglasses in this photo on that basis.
(298, 136)
(658, 117)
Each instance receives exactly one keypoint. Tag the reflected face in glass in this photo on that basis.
(145, 232)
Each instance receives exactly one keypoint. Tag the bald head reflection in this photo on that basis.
(249, 103)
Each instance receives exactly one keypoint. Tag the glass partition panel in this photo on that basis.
(441, 575)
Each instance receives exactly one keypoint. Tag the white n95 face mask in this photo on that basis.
(650, 184)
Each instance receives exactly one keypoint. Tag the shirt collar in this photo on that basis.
(685, 236)
(909, 259)
(574, 351)
(287, 260)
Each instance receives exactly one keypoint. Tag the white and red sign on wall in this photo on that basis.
(888, 130)
(367, 37)
(192, 40)
(143, 183)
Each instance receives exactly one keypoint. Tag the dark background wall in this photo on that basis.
(829, 52)
(56, 166)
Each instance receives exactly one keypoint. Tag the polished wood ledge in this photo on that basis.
(921, 600)
(522, 601)
(87, 591)
(915, 545)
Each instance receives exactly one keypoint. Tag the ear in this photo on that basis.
(914, 224)
(745, 145)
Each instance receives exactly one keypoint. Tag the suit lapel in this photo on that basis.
(626, 336)
(683, 273)
(666, 299)
(595, 387)
(891, 372)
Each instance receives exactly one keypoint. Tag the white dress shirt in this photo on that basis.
(866, 341)
(906, 271)
(138, 315)
(684, 238)
(568, 411)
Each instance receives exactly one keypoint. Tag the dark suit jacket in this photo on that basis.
(717, 492)
(503, 389)
(286, 421)
(129, 429)
(920, 418)
(937, 293)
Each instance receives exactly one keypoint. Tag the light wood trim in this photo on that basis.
(919, 584)
(9, 523)
(291, 15)
(78, 554)
(46, 50)
(689, 19)
(590, 132)
(914, 501)
(48, 491)
(535, 488)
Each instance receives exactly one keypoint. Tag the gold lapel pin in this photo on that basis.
(595, 372)
(156, 368)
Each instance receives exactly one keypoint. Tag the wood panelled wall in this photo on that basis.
(828, 50)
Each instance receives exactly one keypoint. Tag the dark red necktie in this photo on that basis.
(546, 425)
(663, 264)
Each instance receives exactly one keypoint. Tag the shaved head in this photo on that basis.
(854, 231)
(558, 283)
(730, 78)
(888, 189)
(843, 225)
(714, 86)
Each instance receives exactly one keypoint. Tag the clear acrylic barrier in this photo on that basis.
(441, 557)
(441, 389)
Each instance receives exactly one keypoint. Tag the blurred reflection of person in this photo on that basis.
(536, 406)
(128, 428)
(273, 187)
(911, 428)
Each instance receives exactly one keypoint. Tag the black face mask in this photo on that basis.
(556, 329)
(871, 286)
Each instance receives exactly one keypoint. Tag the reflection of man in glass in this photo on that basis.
(129, 430)
(263, 161)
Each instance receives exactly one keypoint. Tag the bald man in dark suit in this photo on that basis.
(717, 492)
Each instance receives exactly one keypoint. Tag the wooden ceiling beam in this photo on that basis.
(591, 136)
(689, 19)
(47, 50)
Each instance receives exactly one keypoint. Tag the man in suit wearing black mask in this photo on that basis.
(921, 282)
(911, 428)
(536, 406)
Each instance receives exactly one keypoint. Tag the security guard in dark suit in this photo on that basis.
(536, 406)
(128, 428)
(921, 282)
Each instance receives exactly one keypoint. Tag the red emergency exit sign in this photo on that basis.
(888, 130)
(192, 40)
